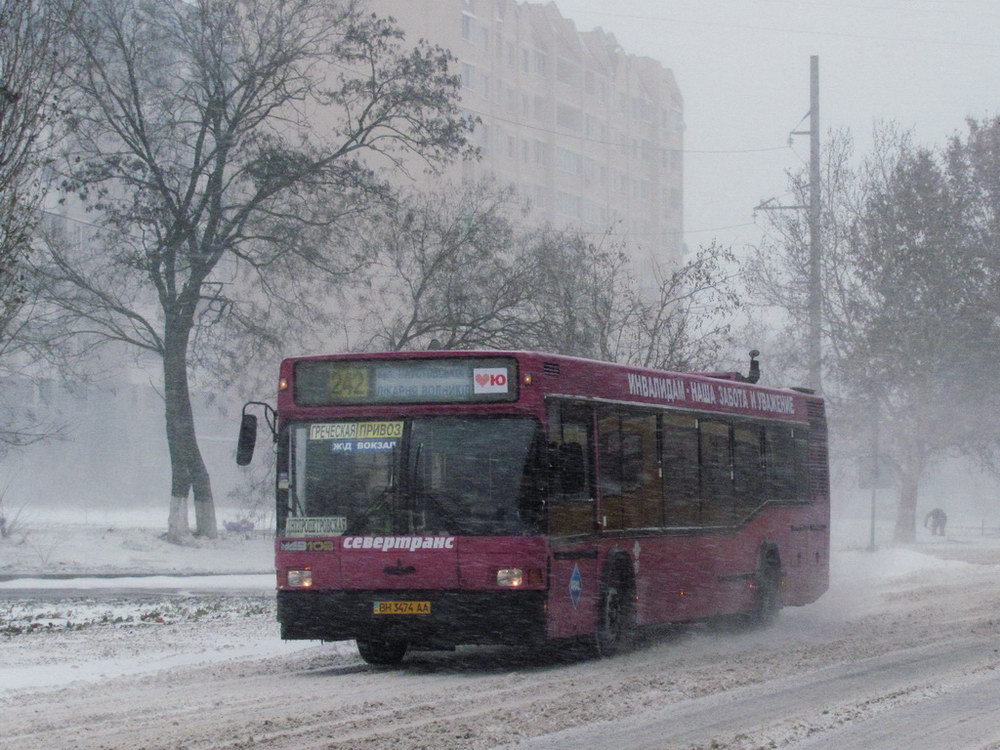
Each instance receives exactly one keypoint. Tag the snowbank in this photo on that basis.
(120, 546)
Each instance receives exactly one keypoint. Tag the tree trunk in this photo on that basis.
(187, 467)
(201, 484)
(178, 530)
(906, 512)
(911, 470)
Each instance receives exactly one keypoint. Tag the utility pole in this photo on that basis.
(815, 289)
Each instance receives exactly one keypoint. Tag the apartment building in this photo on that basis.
(592, 135)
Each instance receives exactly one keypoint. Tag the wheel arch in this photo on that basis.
(768, 556)
(618, 562)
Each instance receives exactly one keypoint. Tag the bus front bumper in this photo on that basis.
(455, 618)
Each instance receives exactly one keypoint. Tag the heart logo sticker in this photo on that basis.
(490, 380)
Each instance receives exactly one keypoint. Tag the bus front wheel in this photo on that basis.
(616, 615)
(381, 653)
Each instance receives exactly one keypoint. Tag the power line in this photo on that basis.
(786, 30)
(622, 144)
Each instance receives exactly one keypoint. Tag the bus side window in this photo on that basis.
(643, 490)
(716, 473)
(610, 466)
(781, 478)
(571, 505)
(535, 484)
(571, 471)
(749, 467)
(682, 506)
(629, 469)
(800, 449)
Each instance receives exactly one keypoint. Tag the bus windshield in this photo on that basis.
(421, 475)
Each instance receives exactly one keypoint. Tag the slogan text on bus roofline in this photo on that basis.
(677, 389)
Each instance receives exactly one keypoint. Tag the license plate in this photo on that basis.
(394, 607)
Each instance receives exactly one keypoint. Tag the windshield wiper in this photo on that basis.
(361, 521)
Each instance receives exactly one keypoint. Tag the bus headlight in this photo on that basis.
(301, 579)
(510, 577)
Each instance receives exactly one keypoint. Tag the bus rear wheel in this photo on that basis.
(768, 602)
(382, 653)
(616, 623)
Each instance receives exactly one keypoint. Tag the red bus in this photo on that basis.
(437, 498)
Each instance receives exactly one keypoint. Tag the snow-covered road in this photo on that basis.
(904, 651)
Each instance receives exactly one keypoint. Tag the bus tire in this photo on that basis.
(382, 653)
(616, 612)
(768, 586)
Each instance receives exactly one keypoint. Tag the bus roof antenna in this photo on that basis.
(754, 375)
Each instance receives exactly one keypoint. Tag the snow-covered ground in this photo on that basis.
(124, 543)
(84, 600)
(199, 659)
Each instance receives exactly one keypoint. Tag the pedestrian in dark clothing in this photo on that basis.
(937, 518)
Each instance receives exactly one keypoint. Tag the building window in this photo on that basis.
(567, 161)
(541, 155)
(467, 25)
(542, 113)
(642, 109)
(541, 63)
(568, 117)
(567, 72)
(468, 76)
(568, 205)
(541, 197)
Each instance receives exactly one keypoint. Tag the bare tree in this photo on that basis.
(32, 60)
(909, 298)
(29, 98)
(588, 301)
(458, 269)
(217, 145)
(448, 267)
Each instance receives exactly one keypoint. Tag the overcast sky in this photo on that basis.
(743, 70)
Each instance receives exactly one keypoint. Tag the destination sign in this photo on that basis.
(405, 381)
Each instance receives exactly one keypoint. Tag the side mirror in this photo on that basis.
(247, 439)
